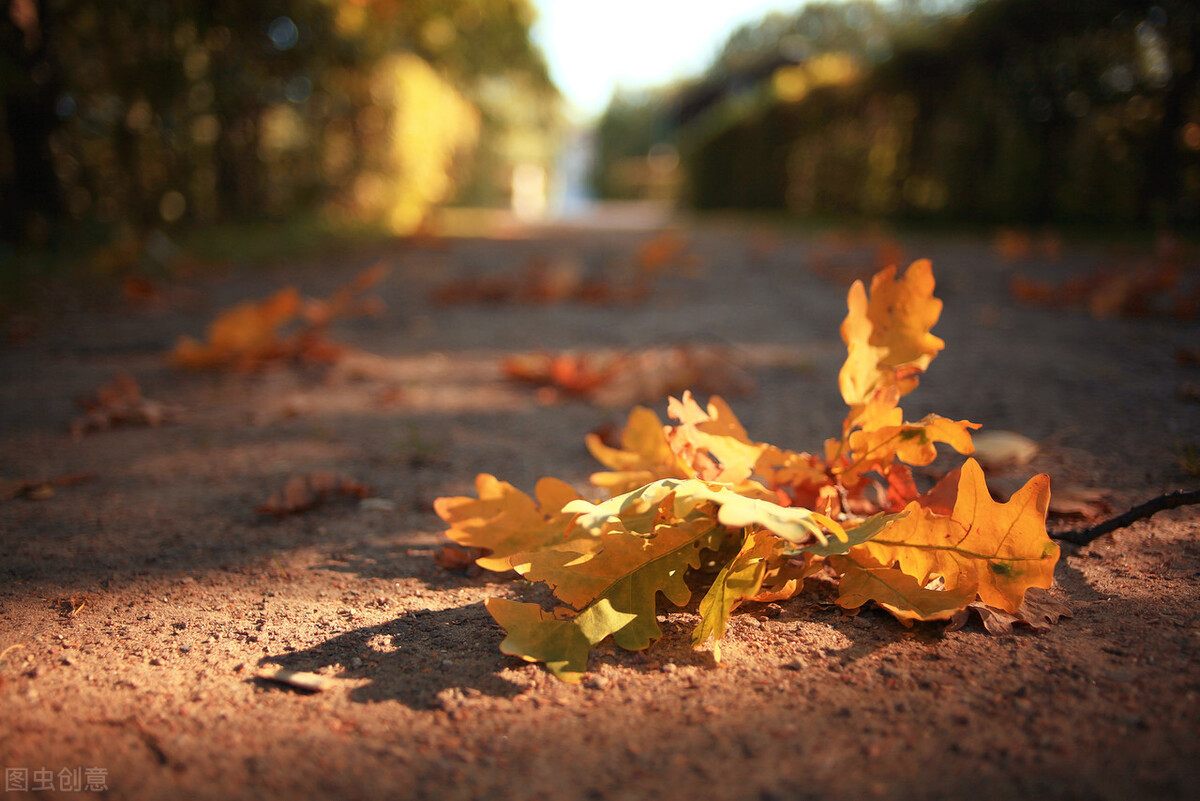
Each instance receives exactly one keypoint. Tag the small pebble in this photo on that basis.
(669, 667)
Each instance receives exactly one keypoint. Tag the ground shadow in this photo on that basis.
(415, 657)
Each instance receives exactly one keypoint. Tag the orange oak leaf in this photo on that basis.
(864, 579)
(505, 520)
(252, 335)
(711, 441)
(245, 333)
(887, 334)
(574, 373)
(910, 443)
(1000, 548)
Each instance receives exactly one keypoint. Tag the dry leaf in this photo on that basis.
(455, 557)
(996, 450)
(506, 521)
(40, 490)
(309, 682)
(1080, 502)
(999, 549)
(281, 329)
(305, 492)
(1039, 610)
(120, 402)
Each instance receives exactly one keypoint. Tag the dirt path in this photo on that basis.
(139, 607)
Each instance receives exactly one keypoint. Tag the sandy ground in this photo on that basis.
(138, 608)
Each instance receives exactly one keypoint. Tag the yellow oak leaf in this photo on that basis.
(644, 455)
(505, 520)
(737, 581)
(887, 335)
(629, 512)
(1002, 549)
(711, 441)
(538, 636)
(626, 571)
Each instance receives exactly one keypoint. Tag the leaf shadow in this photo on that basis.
(414, 658)
(391, 561)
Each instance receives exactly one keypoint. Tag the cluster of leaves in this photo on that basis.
(283, 328)
(700, 495)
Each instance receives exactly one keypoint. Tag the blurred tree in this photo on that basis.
(151, 113)
(30, 201)
(997, 110)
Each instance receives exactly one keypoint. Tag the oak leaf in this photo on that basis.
(1002, 549)
(680, 498)
(241, 336)
(1040, 610)
(645, 455)
(626, 571)
(864, 578)
(120, 402)
(738, 581)
(910, 443)
(711, 441)
(505, 520)
(887, 335)
(539, 636)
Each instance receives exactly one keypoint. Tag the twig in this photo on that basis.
(1153, 506)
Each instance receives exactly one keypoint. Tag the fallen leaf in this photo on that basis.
(506, 521)
(1080, 502)
(455, 557)
(309, 682)
(1003, 549)
(41, 489)
(308, 491)
(663, 250)
(120, 402)
(280, 329)
(996, 450)
(1040, 610)
(887, 335)
(538, 636)
(577, 374)
(864, 578)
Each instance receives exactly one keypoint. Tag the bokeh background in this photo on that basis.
(137, 129)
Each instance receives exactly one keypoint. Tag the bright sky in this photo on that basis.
(593, 47)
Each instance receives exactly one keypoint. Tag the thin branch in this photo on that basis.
(1153, 506)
